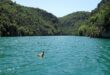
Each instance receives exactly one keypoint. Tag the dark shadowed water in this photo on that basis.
(64, 55)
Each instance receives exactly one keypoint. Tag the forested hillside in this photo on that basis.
(70, 23)
(98, 24)
(95, 24)
(17, 20)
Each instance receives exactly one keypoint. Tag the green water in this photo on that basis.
(64, 55)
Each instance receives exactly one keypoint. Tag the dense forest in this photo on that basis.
(70, 23)
(17, 20)
(98, 24)
(94, 24)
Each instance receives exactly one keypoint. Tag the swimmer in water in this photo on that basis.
(41, 54)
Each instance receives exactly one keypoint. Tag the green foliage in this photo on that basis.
(94, 24)
(71, 22)
(17, 20)
(87, 30)
(100, 17)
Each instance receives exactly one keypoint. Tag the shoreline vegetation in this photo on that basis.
(18, 20)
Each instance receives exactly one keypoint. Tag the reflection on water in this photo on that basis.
(64, 55)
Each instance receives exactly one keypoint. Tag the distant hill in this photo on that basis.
(71, 22)
(93, 24)
(17, 20)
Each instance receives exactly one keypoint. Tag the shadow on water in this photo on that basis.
(3, 54)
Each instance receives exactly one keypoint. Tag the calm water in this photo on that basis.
(64, 55)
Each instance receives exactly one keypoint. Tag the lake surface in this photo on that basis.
(64, 55)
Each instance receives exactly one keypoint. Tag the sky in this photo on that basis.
(61, 7)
